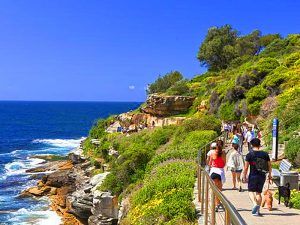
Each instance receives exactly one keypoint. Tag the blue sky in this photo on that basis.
(109, 50)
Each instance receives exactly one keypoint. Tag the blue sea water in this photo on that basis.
(30, 128)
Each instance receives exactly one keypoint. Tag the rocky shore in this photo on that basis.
(72, 190)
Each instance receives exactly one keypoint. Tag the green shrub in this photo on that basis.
(276, 48)
(135, 152)
(297, 63)
(292, 58)
(179, 88)
(164, 83)
(292, 150)
(277, 77)
(183, 147)
(227, 112)
(254, 107)
(266, 65)
(294, 39)
(200, 122)
(256, 93)
(166, 193)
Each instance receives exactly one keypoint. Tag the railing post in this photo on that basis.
(227, 217)
(202, 193)
(199, 183)
(213, 206)
(206, 203)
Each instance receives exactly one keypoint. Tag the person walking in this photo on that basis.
(235, 165)
(217, 174)
(248, 138)
(213, 147)
(259, 162)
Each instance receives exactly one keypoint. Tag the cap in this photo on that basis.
(213, 145)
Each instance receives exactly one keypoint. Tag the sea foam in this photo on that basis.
(60, 142)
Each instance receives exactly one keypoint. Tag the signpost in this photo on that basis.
(275, 139)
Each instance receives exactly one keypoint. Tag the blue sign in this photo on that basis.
(275, 127)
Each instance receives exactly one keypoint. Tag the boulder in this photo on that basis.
(105, 209)
(158, 105)
(75, 158)
(58, 179)
(81, 204)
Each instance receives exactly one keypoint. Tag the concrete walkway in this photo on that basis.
(280, 215)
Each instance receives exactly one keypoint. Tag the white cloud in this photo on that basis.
(131, 87)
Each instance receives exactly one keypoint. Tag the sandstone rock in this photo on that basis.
(53, 191)
(49, 166)
(58, 179)
(167, 105)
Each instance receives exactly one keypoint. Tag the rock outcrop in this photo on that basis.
(73, 192)
(158, 105)
(105, 209)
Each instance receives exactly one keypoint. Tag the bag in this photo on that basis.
(261, 164)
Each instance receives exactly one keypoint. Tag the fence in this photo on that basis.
(207, 192)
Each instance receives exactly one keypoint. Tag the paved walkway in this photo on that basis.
(280, 215)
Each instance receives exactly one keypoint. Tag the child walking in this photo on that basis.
(235, 165)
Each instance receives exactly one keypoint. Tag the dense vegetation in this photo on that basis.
(250, 76)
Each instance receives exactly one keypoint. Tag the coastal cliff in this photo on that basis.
(72, 190)
(158, 105)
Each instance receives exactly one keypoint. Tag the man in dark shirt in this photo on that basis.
(256, 178)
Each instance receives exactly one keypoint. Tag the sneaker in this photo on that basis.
(256, 214)
(255, 209)
(219, 206)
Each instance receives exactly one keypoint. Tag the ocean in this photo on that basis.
(30, 128)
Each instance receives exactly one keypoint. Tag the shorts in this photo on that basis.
(234, 170)
(256, 183)
(214, 176)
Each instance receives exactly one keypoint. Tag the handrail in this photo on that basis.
(206, 186)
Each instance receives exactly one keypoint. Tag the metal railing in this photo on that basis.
(207, 192)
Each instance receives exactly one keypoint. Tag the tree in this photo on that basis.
(164, 83)
(249, 44)
(268, 39)
(218, 48)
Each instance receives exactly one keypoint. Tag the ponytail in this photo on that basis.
(219, 150)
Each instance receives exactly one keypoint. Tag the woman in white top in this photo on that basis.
(235, 164)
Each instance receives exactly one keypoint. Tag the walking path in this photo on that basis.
(280, 215)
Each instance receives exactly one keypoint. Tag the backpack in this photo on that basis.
(261, 164)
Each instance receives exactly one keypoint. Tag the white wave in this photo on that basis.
(35, 161)
(20, 166)
(51, 218)
(73, 143)
(47, 217)
(15, 168)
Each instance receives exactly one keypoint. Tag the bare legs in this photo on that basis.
(219, 185)
(256, 200)
(236, 177)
